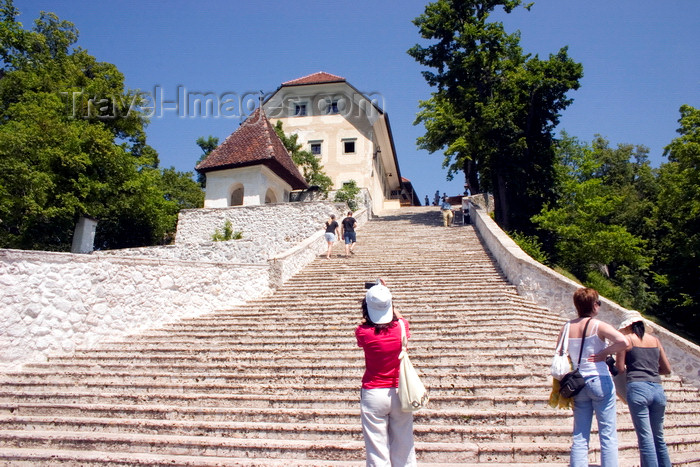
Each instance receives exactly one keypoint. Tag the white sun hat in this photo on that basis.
(632, 316)
(379, 304)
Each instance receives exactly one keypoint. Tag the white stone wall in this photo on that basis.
(55, 302)
(274, 227)
(288, 263)
(554, 291)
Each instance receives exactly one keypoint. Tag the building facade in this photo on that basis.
(345, 129)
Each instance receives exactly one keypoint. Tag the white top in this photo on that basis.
(593, 344)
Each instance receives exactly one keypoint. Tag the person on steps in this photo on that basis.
(446, 209)
(332, 233)
(644, 360)
(387, 430)
(598, 395)
(349, 224)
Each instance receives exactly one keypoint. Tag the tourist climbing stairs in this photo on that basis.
(277, 381)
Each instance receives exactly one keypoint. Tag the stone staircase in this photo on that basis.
(276, 381)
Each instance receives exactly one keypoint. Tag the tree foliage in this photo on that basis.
(494, 108)
(628, 230)
(348, 194)
(72, 144)
(677, 220)
(207, 146)
(593, 220)
(309, 164)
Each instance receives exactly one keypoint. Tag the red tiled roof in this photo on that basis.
(316, 78)
(254, 142)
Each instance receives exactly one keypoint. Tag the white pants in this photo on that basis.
(388, 431)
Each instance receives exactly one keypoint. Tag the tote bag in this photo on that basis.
(561, 364)
(412, 392)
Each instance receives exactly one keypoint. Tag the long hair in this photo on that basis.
(638, 328)
(378, 328)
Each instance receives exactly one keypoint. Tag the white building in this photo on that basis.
(345, 129)
(251, 167)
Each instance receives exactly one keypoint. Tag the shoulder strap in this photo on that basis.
(404, 344)
(580, 352)
(563, 344)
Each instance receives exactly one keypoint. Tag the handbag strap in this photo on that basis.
(404, 339)
(563, 344)
(580, 352)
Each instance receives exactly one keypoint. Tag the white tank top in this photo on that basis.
(592, 344)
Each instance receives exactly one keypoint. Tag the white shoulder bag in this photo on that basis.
(561, 364)
(412, 393)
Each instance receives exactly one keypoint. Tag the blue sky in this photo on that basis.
(641, 62)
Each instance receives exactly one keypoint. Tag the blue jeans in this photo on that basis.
(597, 396)
(647, 403)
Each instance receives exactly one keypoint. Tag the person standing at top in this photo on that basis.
(387, 430)
(349, 225)
(644, 360)
(598, 394)
(332, 233)
(446, 209)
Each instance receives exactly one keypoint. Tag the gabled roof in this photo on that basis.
(254, 142)
(317, 78)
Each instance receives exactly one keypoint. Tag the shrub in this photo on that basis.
(348, 194)
(531, 245)
(227, 234)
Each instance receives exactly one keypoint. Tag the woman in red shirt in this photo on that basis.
(387, 430)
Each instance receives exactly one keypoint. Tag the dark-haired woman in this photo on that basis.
(387, 430)
(332, 234)
(644, 360)
(598, 395)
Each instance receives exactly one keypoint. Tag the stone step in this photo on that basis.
(305, 449)
(221, 446)
(276, 380)
(308, 430)
(509, 417)
(321, 343)
(271, 397)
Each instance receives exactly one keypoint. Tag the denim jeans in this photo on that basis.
(597, 396)
(647, 403)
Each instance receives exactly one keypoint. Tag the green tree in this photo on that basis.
(584, 224)
(309, 164)
(72, 143)
(495, 107)
(677, 217)
(207, 146)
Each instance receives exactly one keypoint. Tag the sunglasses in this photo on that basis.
(597, 302)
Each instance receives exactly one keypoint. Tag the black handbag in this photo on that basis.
(572, 382)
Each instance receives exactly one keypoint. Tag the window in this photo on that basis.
(348, 146)
(333, 107)
(315, 147)
(300, 110)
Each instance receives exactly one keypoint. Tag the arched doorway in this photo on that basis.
(237, 196)
(270, 196)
